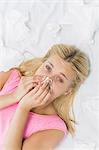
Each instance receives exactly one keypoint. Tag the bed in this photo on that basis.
(29, 28)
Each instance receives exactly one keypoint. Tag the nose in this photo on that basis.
(50, 79)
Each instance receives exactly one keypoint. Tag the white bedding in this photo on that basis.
(29, 28)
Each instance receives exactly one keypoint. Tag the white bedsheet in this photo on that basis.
(29, 28)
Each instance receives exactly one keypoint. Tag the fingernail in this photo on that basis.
(39, 83)
(44, 77)
(45, 82)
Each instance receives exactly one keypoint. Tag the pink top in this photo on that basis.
(35, 122)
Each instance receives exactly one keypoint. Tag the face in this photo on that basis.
(60, 72)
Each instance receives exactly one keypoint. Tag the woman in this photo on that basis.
(66, 68)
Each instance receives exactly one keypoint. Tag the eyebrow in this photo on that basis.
(60, 72)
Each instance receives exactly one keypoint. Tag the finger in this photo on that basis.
(41, 97)
(31, 86)
(39, 78)
(29, 80)
(46, 98)
(41, 89)
(32, 81)
(34, 91)
(28, 87)
(38, 89)
(26, 77)
(26, 82)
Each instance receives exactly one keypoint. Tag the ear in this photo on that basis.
(68, 92)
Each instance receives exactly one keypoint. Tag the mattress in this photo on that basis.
(29, 28)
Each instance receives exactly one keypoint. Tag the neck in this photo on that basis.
(49, 109)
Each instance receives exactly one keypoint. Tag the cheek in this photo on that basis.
(57, 90)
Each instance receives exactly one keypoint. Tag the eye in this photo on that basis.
(61, 80)
(48, 67)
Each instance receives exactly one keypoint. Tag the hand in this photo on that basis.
(25, 85)
(36, 97)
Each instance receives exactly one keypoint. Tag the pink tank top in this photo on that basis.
(36, 122)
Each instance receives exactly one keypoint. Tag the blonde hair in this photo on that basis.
(80, 64)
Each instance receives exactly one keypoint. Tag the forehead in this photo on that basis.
(63, 66)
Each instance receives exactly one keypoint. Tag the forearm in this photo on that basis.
(14, 135)
(7, 100)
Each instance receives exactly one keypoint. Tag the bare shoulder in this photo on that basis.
(44, 139)
(57, 134)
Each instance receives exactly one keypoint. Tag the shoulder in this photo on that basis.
(4, 75)
(42, 137)
(7, 75)
(16, 70)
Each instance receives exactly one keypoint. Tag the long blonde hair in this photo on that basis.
(80, 64)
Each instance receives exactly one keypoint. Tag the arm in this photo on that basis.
(24, 86)
(14, 135)
(3, 77)
(36, 97)
(39, 141)
(43, 140)
(6, 100)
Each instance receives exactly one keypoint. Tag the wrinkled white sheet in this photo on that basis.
(29, 28)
